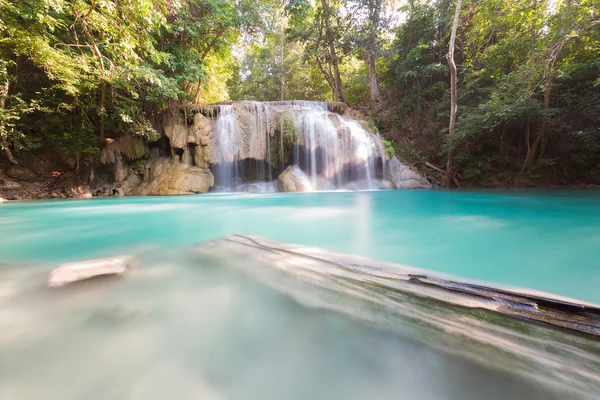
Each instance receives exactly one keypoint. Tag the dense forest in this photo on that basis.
(75, 74)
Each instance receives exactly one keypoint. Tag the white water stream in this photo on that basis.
(334, 151)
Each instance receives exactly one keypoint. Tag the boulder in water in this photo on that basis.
(78, 271)
(386, 184)
(166, 176)
(21, 173)
(293, 179)
(405, 178)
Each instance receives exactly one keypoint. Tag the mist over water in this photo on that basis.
(545, 240)
(186, 325)
(207, 322)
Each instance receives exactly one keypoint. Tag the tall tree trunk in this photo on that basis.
(3, 95)
(453, 95)
(102, 111)
(338, 89)
(373, 86)
(281, 54)
(541, 131)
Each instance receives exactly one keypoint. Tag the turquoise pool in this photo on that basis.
(542, 239)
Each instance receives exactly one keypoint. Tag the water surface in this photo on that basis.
(542, 239)
(222, 324)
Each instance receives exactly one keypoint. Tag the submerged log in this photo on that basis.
(82, 270)
(550, 339)
(527, 304)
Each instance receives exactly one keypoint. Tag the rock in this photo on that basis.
(2, 200)
(14, 197)
(293, 179)
(323, 184)
(165, 176)
(187, 157)
(177, 134)
(21, 172)
(6, 184)
(81, 193)
(118, 191)
(126, 147)
(54, 195)
(78, 271)
(386, 184)
(102, 190)
(201, 156)
(201, 131)
(405, 178)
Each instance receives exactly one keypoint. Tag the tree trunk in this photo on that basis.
(453, 94)
(3, 95)
(282, 71)
(102, 111)
(373, 86)
(338, 88)
(541, 131)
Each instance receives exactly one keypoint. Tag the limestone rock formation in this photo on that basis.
(166, 176)
(21, 172)
(177, 134)
(199, 141)
(386, 184)
(126, 147)
(405, 178)
(293, 179)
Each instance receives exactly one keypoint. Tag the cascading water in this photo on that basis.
(224, 143)
(320, 142)
(381, 150)
(334, 151)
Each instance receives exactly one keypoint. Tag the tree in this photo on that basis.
(371, 19)
(321, 30)
(453, 90)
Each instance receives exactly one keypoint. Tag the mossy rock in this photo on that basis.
(21, 172)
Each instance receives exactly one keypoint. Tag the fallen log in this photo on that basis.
(441, 171)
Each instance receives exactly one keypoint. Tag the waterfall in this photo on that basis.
(362, 153)
(333, 150)
(224, 143)
(381, 150)
(320, 141)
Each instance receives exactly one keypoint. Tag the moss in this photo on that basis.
(134, 148)
(290, 131)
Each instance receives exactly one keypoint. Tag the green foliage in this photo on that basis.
(371, 123)
(104, 68)
(525, 74)
(389, 146)
(73, 73)
(289, 130)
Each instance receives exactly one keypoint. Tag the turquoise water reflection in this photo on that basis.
(547, 240)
